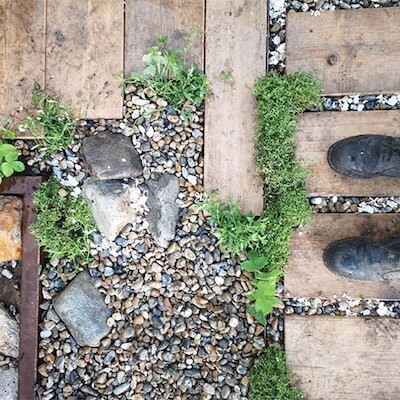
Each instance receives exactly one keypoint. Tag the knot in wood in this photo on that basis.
(333, 59)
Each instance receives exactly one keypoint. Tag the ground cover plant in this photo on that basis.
(270, 380)
(280, 98)
(170, 75)
(64, 224)
(9, 163)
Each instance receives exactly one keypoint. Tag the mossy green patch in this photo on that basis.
(270, 380)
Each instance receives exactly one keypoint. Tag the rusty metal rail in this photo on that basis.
(24, 186)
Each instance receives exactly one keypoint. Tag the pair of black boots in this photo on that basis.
(365, 156)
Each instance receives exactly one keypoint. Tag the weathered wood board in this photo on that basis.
(22, 52)
(317, 132)
(84, 49)
(337, 358)
(352, 51)
(307, 275)
(236, 49)
(146, 20)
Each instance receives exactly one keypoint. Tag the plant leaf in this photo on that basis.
(7, 169)
(18, 166)
(11, 156)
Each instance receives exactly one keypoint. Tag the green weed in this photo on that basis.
(64, 225)
(51, 123)
(266, 238)
(270, 380)
(171, 76)
(8, 155)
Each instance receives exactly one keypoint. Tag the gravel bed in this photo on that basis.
(180, 326)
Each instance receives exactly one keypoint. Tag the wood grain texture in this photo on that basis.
(236, 43)
(354, 51)
(22, 52)
(307, 275)
(146, 20)
(317, 132)
(337, 358)
(84, 50)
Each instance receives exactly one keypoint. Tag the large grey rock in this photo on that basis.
(9, 384)
(9, 334)
(163, 210)
(82, 309)
(114, 204)
(111, 156)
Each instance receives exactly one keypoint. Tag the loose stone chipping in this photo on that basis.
(9, 384)
(109, 156)
(9, 335)
(179, 314)
(81, 307)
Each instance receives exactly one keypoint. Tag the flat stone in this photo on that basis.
(10, 228)
(9, 334)
(9, 384)
(114, 204)
(82, 309)
(111, 156)
(163, 210)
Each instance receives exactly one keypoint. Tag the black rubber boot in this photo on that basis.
(364, 260)
(366, 156)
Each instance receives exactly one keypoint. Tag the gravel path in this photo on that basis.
(180, 328)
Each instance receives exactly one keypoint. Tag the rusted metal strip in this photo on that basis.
(25, 186)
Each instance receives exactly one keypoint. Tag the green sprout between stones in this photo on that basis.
(266, 239)
(64, 224)
(270, 380)
(170, 75)
(9, 163)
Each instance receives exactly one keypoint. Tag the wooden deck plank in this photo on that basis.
(146, 20)
(335, 358)
(307, 275)
(353, 51)
(84, 50)
(318, 131)
(22, 52)
(236, 43)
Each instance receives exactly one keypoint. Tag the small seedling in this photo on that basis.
(170, 75)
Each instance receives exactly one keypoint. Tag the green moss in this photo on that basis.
(270, 380)
(64, 225)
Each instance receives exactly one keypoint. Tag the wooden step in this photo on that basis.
(146, 20)
(352, 51)
(84, 50)
(22, 52)
(318, 131)
(235, 57)
(338, 358)
(307, 275)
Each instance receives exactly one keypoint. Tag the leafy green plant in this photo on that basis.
(51, 123)
(270, 379)
(170, 75)
(266, 238)
(64, 224)
(8, 155)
